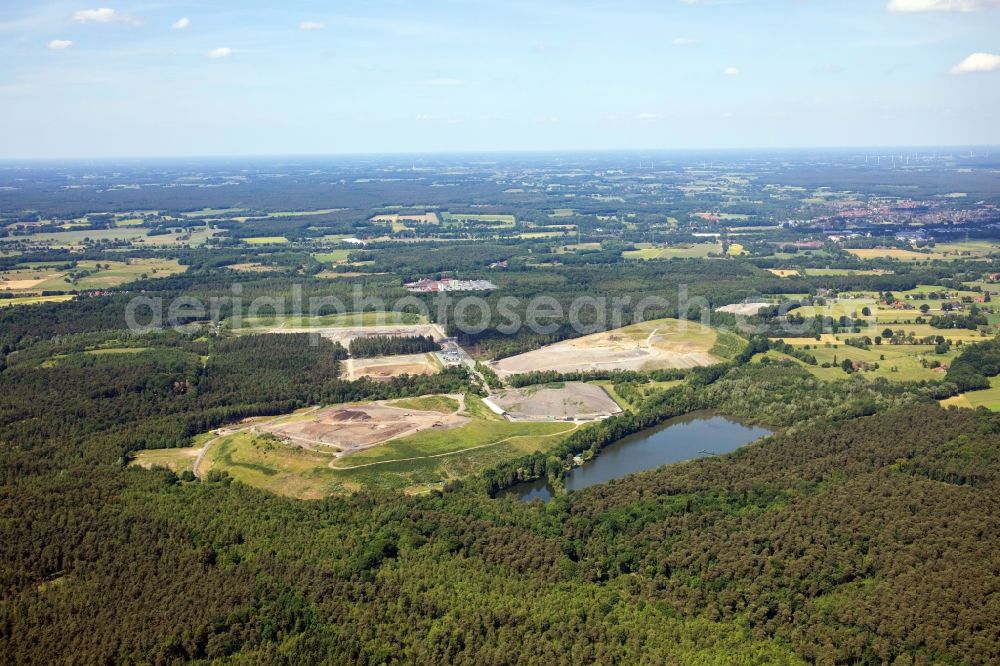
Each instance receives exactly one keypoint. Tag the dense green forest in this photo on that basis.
(865, 530)
(389, 345)
(840, 542)
(817, 544)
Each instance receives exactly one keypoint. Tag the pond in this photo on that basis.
(686, 437)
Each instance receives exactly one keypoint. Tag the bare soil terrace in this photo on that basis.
(344, 334)
(572, 400)
(358, 427)
(387, 367)
(651, 345)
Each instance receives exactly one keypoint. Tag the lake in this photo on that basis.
(683, 438)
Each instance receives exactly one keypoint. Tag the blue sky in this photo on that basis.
(228, 77)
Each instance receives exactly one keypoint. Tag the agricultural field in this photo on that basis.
(254, 267)
(966, 249)
(34, 300)
(880, 314)
(343, 275)
(876, 328)
(87, 275)
(988, 398)
(784, 272)
(529, 235)
(188, 238)
(266, 240)
(213, 212)
(904, 363)
(76, 238)
(940, 251)
(823, 272)
(136, 236)
(825, 338)
(301, 213)
(889, 253)
(26, 278)
(659, 344)
(569, 401)
(402, 220)
(332, 257)
(694, 251)
(380, 323)
(926, 330)
(576, 247)
(460, 219)
(387, 367)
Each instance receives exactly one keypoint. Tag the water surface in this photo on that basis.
(683, 438)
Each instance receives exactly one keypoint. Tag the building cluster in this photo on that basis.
(427, 285)
(451, 353)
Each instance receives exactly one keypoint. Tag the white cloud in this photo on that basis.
(181, 24)
(684, 41)
(60, 44)
(646, 115)
(221, 52)
(731, 71)
(978, 62)
(104, 15)
(311, 25)
(915, 6)
(444, 81)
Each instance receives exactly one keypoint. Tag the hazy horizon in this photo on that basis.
(873, 151)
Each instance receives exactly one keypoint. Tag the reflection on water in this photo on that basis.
(683, 438)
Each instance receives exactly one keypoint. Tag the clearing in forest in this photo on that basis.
(387, 367)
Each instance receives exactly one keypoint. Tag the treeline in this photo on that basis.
(971, 321)
(971, 370)
(392, 345)
(616, 376)
(794, 352)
